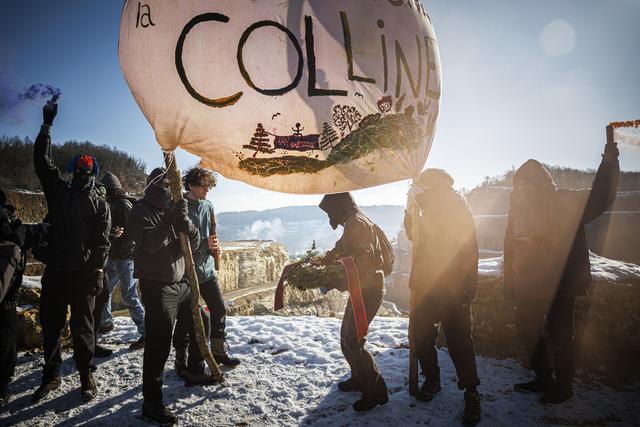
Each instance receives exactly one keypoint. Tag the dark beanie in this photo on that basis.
(337, 205)
(534, 173)
(153, 176)
(110, 181)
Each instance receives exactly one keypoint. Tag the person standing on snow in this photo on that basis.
(154, 224)
(443, 282)
(80, 221)
(119, 267)
(198, 182)
(546, 265)
(359, 241)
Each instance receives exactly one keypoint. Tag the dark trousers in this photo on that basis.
(101, 301)
(8, 325)
(164, 302)
(455, 317)
(537, 320)
(212, 295)
(363, 367)
(60, 290)
(182, 332)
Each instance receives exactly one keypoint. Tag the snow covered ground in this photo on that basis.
(288, 375)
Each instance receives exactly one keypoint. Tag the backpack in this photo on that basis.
(388, 257)
(9, 264)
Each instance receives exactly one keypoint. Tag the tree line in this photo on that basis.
(567, 178)
(17, 170)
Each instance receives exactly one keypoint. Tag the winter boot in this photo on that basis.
(158, 413)
(367, 404)
(101, 351)
(428, 390)
(349, 385)
(137, 345)
(47, 386)
(89, 390)
(539, 385)
(181, 363)
(557, 394)
(220, 354)
(471, 415)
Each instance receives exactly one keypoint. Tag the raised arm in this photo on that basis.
(43, 160)
(605, 184)
(148, 236)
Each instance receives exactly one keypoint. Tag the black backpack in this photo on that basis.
(388, 257)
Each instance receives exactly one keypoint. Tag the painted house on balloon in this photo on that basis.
(297, 142)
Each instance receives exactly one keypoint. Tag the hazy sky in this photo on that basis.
(521, 79)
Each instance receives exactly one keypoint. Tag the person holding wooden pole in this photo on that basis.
(155, 223)
(443, 282)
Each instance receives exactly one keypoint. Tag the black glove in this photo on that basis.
(96, 282)
(49, 112)
(178, 210)
(182, 225)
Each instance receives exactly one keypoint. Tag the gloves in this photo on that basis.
(178, 210)
(182, 225)
(96, 282)
(49, 112)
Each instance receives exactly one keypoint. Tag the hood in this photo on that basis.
(437, 179)
(533, 173)
(110, 181)
(338, 206)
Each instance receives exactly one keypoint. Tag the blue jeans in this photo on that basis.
(121, 271)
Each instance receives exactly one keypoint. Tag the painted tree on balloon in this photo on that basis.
(260, 142)
(346, 117)
(328, 136)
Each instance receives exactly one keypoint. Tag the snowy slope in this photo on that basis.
(288, 376)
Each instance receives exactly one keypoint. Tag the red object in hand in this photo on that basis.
(355, 295)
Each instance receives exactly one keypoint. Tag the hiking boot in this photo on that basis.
(105, 329)
(180, 364)
(46, 387)
(428, 390)
(137, 345)
(539, 385)
(557, 394)
(367, 404)
(88, 388)
(349, 385)
(101, 351)
(199, 378)
(220, 354)
(158, 413)
(472, 413)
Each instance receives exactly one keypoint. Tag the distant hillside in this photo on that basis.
(296, 227)
(17, 171)
(564, 177)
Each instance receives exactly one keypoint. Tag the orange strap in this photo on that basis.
(355, 295)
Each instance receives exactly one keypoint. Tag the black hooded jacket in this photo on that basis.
(80, 218)
(158, 256)
(121, 247)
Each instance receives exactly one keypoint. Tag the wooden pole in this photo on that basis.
(176, 190)
(414, 213)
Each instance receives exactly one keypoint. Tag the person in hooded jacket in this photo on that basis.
(154, 224)
(443, 280)
(80, 221)
(546, 265)
(119, 267)
(198, 182)
(359, 240)
(16, 239)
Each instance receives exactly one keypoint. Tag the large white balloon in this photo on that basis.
(317, 96)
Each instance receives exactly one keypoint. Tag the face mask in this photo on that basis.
(80, 181)
(159, 195)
